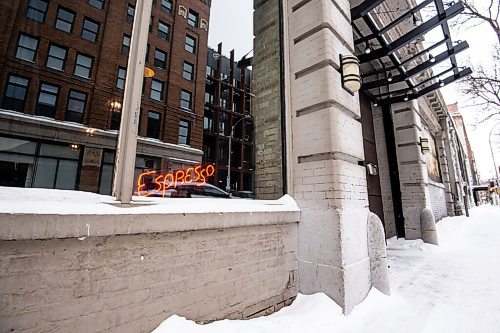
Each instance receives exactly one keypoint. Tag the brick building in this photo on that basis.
(227, 102)
(63, 67)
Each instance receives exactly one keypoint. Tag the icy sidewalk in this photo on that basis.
(451, 288)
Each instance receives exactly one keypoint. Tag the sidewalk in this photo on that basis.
(451, 288)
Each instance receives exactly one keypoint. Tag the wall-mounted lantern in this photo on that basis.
(424, 145)
(148, 72)
(349, 72)
(372, 169)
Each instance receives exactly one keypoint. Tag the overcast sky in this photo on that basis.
(231, 22)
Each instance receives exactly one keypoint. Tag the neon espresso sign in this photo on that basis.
(154, 182)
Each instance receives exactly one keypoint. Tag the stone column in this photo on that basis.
(413, 175)
(267, 105)
(453, 167)
(445, 172)
(326, 180)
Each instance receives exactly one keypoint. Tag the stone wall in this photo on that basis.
(266, 76)
(132, 281)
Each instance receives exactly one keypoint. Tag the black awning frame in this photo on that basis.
(378, 78)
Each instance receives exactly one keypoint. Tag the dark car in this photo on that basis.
(191, 190)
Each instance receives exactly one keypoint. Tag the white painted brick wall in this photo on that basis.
(101, 284)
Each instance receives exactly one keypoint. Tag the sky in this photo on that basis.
(225, 14)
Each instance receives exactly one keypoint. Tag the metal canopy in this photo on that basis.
(404, 69)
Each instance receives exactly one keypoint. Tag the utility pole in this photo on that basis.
(127, 137)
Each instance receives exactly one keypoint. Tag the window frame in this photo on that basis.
(193, 18)
(126, 46)
(119, 78)
(26, 48)
(71, 24)
(156, 122)
(77, 65)
(156, 60)
(183, 100)
(94, 33)
(22, 102)
(130, 18)
(49, 56)
(93, 3)
(192, 48)
(31, 8)
(40, 108)
(188, 75)
(160, 33)
(160, 92)
(188, 134)
(69, 114)
(168, 8)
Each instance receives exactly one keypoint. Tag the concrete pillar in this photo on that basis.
(445, 172)
(91, 167)
(413, 175)
(267, 105)
(325, 178)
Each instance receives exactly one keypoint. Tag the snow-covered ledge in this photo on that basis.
(47, 214)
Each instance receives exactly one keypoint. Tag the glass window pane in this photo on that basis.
(66, 175)
(106, 183)
(59, 151)
(45, 172)
(17, 146)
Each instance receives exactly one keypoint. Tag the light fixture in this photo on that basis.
(417, 21)
(375, 103)
(115, 105)
(441, 83)
(148, 72)
(368, 48)
(349, 67)
(406, 98)
(389, 77)
(424, 145)
(74, 146)
(90, 131)
(431, 58)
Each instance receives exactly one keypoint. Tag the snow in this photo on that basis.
(453, 287)
(15, 200)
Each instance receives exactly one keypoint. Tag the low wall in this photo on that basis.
(135, 271)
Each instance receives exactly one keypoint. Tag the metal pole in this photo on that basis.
(493, 155)
(127, 137)
(228, 179)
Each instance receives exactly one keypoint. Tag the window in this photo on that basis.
(47, 100)
(186, 100)
(57, 57)
(163, 30)
(184, 129)
(154, 125)
(90, 29)
(166, 6)
(83, 66)
(76, 106)
(187, 72)
(156, 90)
(160, 59)
(26, 47)
(120, 81)
(65, 19)
(99, 4)
(130, 13)
(36, 10)
(190, 44)
(147, 54)
(125, 44)
(192, 18)
(15, 93)
(210, 71)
